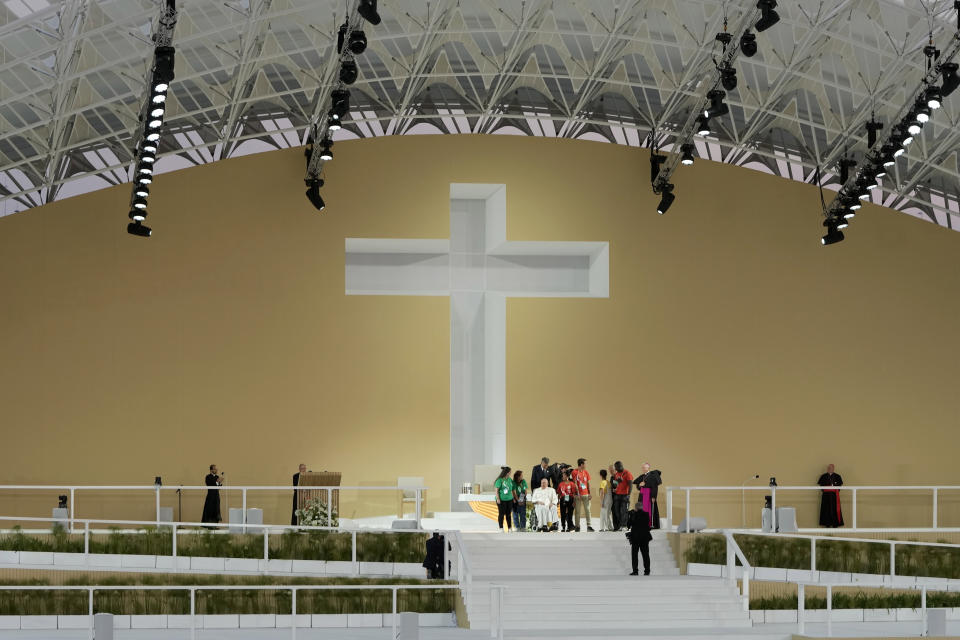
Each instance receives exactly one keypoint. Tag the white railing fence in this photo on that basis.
(496, 623)
(178, 529)
(734, 553)
(73, 490)
(854, 492)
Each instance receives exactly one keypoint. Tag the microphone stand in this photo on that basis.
(743, 506)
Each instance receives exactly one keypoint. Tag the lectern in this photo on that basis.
(327, 497)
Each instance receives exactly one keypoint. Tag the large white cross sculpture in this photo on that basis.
(478, 269)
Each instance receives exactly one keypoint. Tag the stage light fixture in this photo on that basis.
(148, 158)
(933, 97)
(923, 112)
(834, 235)
(141, 191)
(163, 67)
(881, 171)
(728, 78)
(872, 127)
(138, 229)
(156, 123)
(139, 203)
(137, 215)
(153, 136)
(358, 42)
(326, 154)
(349, 72)
(156, 112)
(340, 102)
(951, 80)
(848, 213)
(149, 147)
(887, 157)
(871, 182)
(717, 106)
(368, 11)
(666, 198)
(914, 127)
(845, 165)
(144, 178)
(333, 122)
(313, 193)
(748, 43)
(768, 15)
(144, 168)
(703, 126)
(842, 223)
(655, 161)
(687, 154)
(158, 98)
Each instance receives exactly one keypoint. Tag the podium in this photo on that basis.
(327, 497)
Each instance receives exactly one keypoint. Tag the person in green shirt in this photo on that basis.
(519, 501)
(504, 488)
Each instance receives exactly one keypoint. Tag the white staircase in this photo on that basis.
(576, 585)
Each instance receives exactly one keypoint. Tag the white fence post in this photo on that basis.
(193, 614)
(174, 540)
(813, 556)
(394, 624)
(829, 610)
(418, 496)
(90, 612)
(893, 558)
(86, 539)
(669, 507)
(923, 610)
(854, 508)
(157, 492)
(687, 515)
(935, 525)
(353, 552)
(801, 605)
(329, 507)
(731, 560)
(243, 506)
(293, 614)
(266, 544)
(72, 512)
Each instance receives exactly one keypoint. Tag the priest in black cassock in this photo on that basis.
(647, 485)
(830, 514)
(296, 494)
(211, 506)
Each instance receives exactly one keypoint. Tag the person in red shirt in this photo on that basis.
(566, 493)
(581, 478)
(622, 483)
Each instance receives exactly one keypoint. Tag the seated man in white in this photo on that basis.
(545, 504)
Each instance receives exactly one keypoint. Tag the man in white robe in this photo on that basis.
(545, 503)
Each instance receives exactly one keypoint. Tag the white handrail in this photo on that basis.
(394, 588)
(853, 489)
(801, 600)
(893, 544)
(733, 554)
(193, 526)
(329, 489)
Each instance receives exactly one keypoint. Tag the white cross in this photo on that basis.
(478, 269)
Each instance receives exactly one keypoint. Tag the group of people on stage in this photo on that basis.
(561, 492)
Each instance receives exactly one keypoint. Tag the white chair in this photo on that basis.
(408, 494)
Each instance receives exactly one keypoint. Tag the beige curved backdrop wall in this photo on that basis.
(732, 343)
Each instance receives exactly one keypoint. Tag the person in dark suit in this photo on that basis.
(639, 537)
(211, 506)
(433, 563)
(540, 472)
(296, 494)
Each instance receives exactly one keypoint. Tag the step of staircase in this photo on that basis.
(577, 583)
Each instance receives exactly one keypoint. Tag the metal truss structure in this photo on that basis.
(250, 75)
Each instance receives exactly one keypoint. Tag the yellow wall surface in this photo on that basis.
(732, 342)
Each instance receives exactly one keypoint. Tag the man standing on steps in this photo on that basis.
(581, 478)
(639, 537)
(621, 495)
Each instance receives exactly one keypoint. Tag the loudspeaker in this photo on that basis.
(696, 524)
